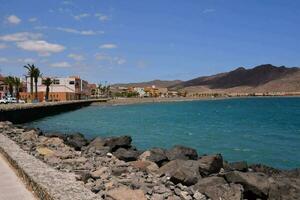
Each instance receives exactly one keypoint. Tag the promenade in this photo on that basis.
(11, 187)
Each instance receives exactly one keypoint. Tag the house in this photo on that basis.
(61, 89)
(140, 91)
(3, 87)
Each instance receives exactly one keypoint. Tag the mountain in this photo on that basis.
(263, 78)
(157, 83)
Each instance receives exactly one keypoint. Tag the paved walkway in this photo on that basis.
(11, 186)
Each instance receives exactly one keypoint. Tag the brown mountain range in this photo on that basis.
(157, 83)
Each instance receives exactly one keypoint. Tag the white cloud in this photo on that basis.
(209, 10)
(13, 19)
(111, 60)
(80, 16)
(42, 47)
(3, 46)
(108, 46)
(33, 19)
(21, 36)
(61, 65)
(26, 60)
(76, 57)
(3, 59)
(102, 17)
(80, 32)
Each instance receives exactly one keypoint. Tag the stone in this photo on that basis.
(126, 155)
(284, 188)
(204, 183)
(239, 166)
(156, 155)
(59, 135)
(256, 185)
(124, 193)
(225, 192)
(53, 141)
(198, 196)
(145, 165)
(181, 152)
(118, 142)
(181, 171)
(210, 164)
(99, 172)
(29, 135)
(44, 151)
(265, 169)
(76, 140)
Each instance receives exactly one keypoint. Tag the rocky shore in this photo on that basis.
(113, 169)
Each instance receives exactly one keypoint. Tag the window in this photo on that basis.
(71, 82)
(56, 81)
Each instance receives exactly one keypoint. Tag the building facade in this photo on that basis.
(61, 89)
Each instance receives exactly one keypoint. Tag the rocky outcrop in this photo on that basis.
(110, 168)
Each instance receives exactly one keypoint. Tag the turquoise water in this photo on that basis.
(258, 130)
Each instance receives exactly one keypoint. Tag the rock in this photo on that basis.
(241, 166)
(265, 169)
(96, 143)
(44, 151)
(145, 165)
(119, 170)
(118, 142)
(256, 185)
(285, 188)
(156, 155)
(225, 192)
(204, 183)
(124, 193)
(198, 196)
(99, 172)
(181, 152)
(53, 142)
(83, 176)
(29, 135)
(76, 140)
(210, 164)
(59, 135)
(126, 155)
(181, 171)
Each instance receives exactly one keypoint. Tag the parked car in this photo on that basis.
(3, 101)
(21, 101)
(11, 100)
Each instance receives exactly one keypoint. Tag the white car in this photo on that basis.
(21, 101)
(11, 100)
(3, 101)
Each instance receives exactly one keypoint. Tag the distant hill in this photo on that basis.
(157, 83)
(263, 78)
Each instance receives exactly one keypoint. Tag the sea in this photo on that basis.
(257, 130)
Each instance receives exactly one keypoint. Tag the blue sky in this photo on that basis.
(140, 40)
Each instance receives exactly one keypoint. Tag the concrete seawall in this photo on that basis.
(22, 113)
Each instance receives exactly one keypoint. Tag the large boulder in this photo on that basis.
(76, 140)
(256, 185)
(29, 136)
(124, 193)
(56, 134)
(181, 171)
(210, 164)
(145, 165)
(156, 155)
(181, 152)
(225, 192)
(265, 169)
(97, 147)
(204, 183)
(285, 188)
(126, 154)
(118, 142)
(239, 166)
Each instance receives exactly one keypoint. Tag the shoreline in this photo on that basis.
(112, 167)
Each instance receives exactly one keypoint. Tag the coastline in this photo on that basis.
(112, 168)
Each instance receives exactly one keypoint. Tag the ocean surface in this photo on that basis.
(258, 130)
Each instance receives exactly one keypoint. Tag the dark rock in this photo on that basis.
(117, 171)
(181, 171)
(76, 140)
(265, 169)
(204, 183)
(225, 192)
(181, 152)
(118, 142)
(210, 164)
(83, 176)
(256, 185)
(156, 155)
(126, 155)
(241, 166)
(96, 147)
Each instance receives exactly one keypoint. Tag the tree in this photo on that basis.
(36, 74)
(47, 82)
(30, 73)
(9, 80)
(18, 84)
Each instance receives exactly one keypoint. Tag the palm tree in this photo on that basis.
(36, 74)
(17, 83)
(9, 80)
(47, 82)
(30, 72)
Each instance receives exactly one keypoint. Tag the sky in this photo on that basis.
(140, 40)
